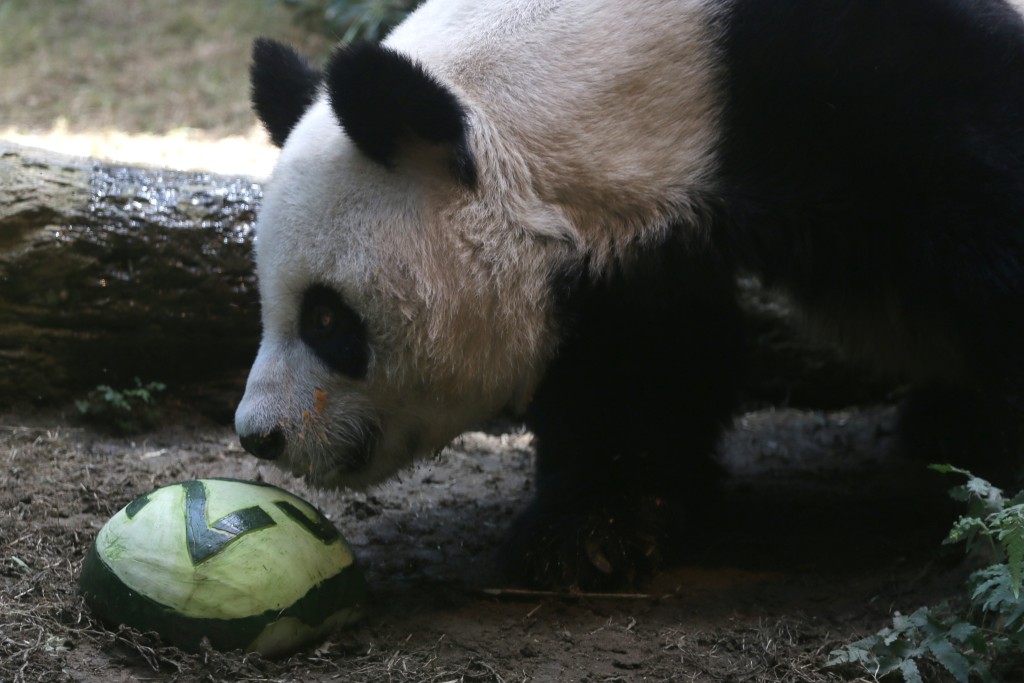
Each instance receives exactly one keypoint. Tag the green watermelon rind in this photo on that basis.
(335, 600)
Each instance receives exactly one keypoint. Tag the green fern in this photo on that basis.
(125, 411)
(992, 592)
(1010, 534)
(929, 633)
(991, 519)
(962, 643)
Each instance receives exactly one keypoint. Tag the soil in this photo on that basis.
(820, 535)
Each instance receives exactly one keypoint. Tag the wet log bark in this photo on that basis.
(108, 273)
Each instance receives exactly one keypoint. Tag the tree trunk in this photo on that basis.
(109, 273)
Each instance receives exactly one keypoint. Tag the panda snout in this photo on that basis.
(264, 445)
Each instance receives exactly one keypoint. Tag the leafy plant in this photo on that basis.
(963, 642)
(959, 646)
(127, 411)
(351, 19)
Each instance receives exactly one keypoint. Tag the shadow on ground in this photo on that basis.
(817, 538)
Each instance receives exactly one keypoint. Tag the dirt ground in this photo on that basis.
(818, 539)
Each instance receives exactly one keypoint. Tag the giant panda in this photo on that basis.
(541, 207)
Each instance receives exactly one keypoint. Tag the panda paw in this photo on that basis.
(608, 544)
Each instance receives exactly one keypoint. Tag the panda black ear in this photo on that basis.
(283, 84)
(382, 98)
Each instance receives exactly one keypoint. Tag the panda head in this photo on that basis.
(405, 268)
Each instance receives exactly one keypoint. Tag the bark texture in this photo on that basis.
(108, 273)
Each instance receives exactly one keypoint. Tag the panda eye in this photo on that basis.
(323, 320)
(334, 332)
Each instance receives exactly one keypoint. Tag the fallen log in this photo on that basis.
(108, 273)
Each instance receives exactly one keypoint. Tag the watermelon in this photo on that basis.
(244, 565)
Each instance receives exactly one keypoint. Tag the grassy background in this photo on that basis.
(135, 65)
(138, 80)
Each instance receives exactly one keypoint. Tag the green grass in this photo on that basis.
(141, 66)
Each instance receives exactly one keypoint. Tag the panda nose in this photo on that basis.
(266, 445)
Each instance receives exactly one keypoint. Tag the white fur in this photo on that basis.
(591, 123)
(609, 105)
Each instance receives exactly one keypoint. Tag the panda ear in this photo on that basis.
(382, 98)
(283, 84)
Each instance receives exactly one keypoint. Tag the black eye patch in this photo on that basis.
(335, 332)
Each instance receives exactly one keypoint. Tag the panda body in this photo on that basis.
(541, 208)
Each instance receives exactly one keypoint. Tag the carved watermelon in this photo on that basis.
(248, 566)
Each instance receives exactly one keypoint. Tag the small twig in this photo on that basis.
(525, 593)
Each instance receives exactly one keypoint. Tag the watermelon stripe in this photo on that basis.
(205, 540)
(115, 603)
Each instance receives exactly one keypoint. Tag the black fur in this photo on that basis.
(873, 166)
(334, 332)
(627, 418)
(283, 86)
(383, 99)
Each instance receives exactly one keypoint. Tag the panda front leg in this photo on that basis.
(627, 419)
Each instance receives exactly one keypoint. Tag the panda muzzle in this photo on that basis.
(266, 445)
